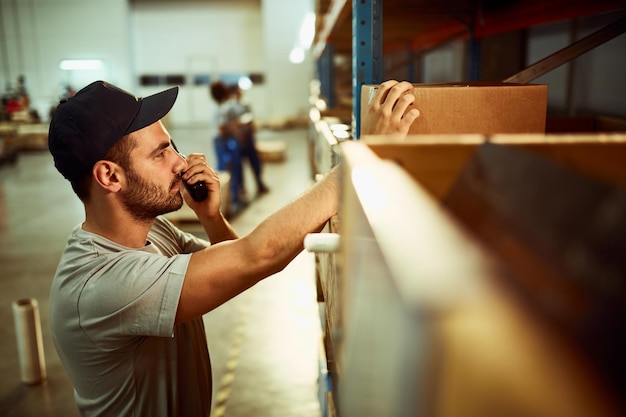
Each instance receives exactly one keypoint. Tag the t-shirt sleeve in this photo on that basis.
(167, 236)
(135, 293)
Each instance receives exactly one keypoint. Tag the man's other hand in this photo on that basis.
(387, 112)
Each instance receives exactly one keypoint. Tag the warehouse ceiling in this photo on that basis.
(421, 24)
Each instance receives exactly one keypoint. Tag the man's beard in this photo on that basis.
(145, 200)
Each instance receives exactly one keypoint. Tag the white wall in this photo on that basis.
(157, 38)
(194, 38)
(282, 20)
(38, 34)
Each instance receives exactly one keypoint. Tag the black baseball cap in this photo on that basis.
(84, 127)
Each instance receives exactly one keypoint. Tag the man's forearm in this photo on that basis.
(218, 229)
(285, 230)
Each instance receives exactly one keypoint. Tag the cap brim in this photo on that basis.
(153, 108)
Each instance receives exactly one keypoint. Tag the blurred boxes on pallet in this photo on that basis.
(24, 136)
(271, 150)
(32, 136)
(8, 151)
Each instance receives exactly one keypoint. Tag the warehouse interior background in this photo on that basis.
(188, 41)
(145, 46)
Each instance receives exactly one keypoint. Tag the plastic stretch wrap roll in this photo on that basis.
(322, 242)
(29, 341)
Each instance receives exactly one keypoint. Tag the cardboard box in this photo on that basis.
(484, 108)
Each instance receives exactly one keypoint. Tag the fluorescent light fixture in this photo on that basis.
(305, 39)
(341, 134)
(296, 56)
(336, 127)
(245, 83)
(321, 104)
(80, 64)
(307, 30)
(315, 115)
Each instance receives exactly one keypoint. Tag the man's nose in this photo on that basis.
(182, 158)
(181, 162)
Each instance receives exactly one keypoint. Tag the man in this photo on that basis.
(127, 300)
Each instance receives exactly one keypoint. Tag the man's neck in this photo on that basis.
(118, 227)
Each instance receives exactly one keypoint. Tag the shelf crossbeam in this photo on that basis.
(567, 54)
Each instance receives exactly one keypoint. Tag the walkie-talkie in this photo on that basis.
(198, 190)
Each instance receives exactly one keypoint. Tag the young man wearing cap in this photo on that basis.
(127, 300)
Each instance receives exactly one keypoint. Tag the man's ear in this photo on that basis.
(108, 175)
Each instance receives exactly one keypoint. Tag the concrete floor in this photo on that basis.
(264, 343)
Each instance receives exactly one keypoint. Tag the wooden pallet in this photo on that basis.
(272, 150)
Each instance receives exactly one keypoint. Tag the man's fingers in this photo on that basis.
(397, 92)
(197, 168)
(382, 91)
(390, 110)
(410, 117)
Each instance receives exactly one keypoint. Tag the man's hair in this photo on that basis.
(219, 91)
(119, 153)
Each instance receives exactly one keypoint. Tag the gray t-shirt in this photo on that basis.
(112, 312)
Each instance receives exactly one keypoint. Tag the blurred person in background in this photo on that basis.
(227, 144)
(246, 135)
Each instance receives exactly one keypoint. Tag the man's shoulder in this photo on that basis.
(162, 225)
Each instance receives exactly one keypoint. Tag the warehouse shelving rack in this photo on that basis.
(384, 27)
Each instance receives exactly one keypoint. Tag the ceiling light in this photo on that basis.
(80, 64)
(296, 56)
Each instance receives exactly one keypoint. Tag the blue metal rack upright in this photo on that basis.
(325, 74)
(367, 65)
